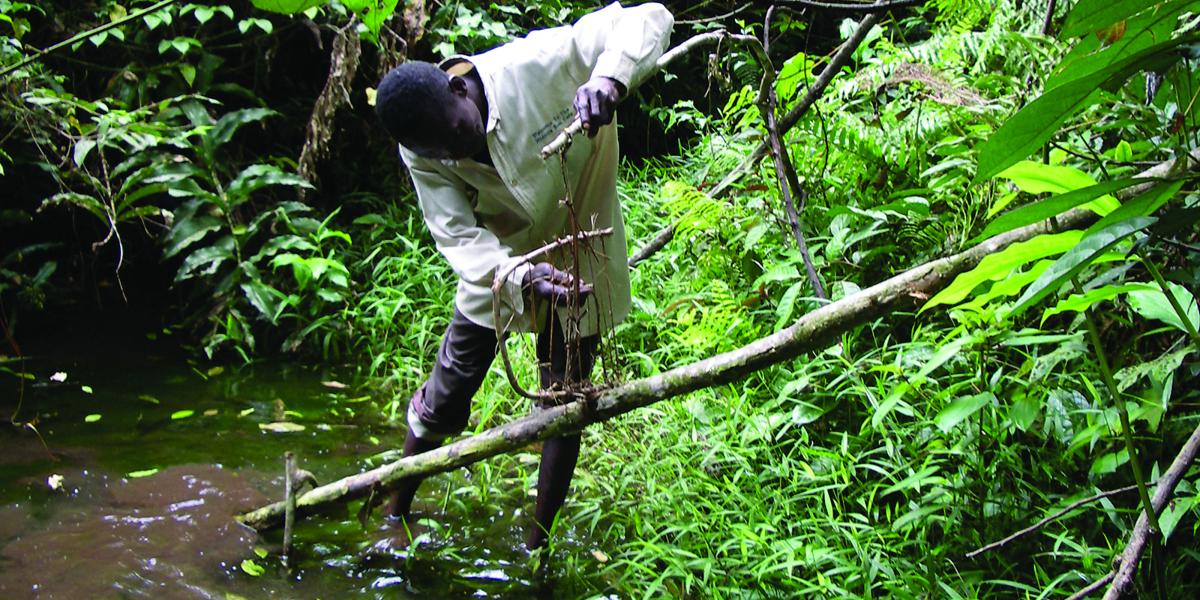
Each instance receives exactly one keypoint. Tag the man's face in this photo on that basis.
(456, 134)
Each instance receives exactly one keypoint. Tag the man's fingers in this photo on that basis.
(581, 109)
(602, 104)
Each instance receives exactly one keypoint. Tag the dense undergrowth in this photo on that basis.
(868, 469)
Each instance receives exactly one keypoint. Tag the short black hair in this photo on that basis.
(411, 97)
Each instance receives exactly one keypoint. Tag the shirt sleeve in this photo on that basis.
(624, 43)
(474, 253)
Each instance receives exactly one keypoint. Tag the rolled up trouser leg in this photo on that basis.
(443, 404)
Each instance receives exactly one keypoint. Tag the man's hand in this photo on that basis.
(596, 101)
(544, 281)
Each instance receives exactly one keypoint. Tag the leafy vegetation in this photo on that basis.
(1057, 368)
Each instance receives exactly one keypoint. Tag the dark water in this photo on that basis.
(145, 504)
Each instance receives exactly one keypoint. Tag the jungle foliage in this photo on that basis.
(1058, 368)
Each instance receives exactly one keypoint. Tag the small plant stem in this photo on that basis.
(1111, 384)
(1162, 283)
(85, 35)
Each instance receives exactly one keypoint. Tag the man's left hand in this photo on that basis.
(596, 101)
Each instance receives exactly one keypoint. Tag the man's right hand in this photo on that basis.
(544, 281)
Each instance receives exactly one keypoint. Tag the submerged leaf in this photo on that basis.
(281, 427)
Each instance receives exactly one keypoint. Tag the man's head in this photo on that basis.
(430, 111)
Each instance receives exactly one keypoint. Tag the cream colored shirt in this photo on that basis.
(483, 218)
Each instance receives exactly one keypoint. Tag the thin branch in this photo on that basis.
(133, 16)
(1049, 17)
(1042, 523)
(1128, 561)
(498, 285)
(839, 60)
(1092, 587)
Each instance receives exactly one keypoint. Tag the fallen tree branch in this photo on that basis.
(789, 120)
(1128, 561)
(814, 331)
(1042, 523)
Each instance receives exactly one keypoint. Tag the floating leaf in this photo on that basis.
(246, 411)
(212, 412)
(334, 385)
(182, 414)
(140, 474)
(281, 427)
(252, 568)
(148, 398)
(87, 389)
(92, 418)
(55, 482)
(260, 552)
(58, 377)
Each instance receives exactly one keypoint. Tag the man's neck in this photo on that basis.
(476, 94)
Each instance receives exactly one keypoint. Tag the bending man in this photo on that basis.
(470, 131)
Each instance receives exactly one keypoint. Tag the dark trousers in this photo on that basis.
(443, 404)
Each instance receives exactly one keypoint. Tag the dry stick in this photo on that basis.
(789, 120)
(1093, 586)
(1049, 17)
(813, 331)
(289, 497)
(1032, 528)
(498, 284)
(1128, 561)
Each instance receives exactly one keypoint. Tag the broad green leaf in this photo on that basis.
(1082, 302)
(1173, 513)
(1037, 178)
(228, 125)
(1079, 257)
(1027, 130)
(372, 12)
(1142, 31)
(1001, 264)
(1009, 286)
(206, 259)
(182, 414)
(1090, 16)
(787, 304)
(1055, 205)
(1024, 412)
(1109, 463)
(92, 418)
(1153, 304)
(1143, 205)
(252, 568)
(256, 177)
(287, 7)
(188, 231)
(960, 409)
(268, 300)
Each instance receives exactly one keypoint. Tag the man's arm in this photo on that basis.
(474, 253)
(623, 45)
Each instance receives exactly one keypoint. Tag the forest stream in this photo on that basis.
(139, 502)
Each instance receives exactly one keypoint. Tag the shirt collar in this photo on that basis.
(461, 65)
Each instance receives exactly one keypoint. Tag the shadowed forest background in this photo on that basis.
(206, 235)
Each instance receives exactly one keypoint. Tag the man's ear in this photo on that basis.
(458, 85)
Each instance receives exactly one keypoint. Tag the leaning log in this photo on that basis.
(814, 331)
